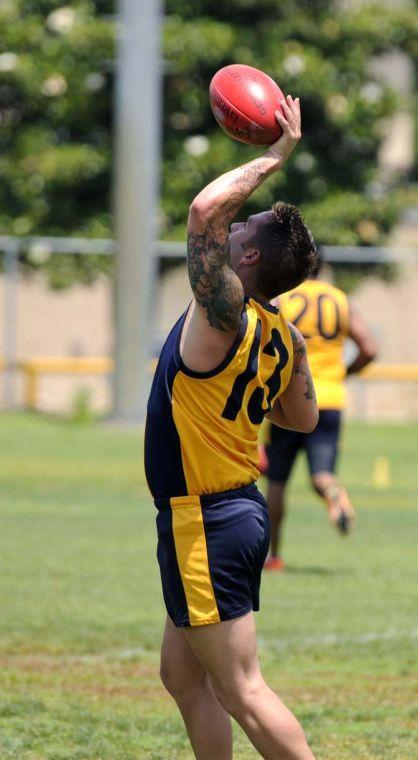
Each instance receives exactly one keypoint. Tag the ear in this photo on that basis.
(251, 257)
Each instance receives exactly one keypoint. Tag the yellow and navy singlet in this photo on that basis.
(202, 427)
(321, 312)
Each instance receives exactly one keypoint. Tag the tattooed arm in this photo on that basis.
(296, 408)
(217, 289)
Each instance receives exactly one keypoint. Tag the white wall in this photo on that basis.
(78, 322)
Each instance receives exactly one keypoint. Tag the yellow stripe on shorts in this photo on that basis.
(192, 558)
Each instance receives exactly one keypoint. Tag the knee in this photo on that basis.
(244, 702)
(321, 482)
(317, 486)
(179, 682)
(275, 495)
(237, 699)
(171, 679)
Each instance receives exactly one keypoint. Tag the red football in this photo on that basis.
(243, 101)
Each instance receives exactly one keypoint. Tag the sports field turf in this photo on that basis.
(81, 608)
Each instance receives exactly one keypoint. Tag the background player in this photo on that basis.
(228, 361)
(325, 317)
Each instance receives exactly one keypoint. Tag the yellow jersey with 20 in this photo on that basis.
(321, 312)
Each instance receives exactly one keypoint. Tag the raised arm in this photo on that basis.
(359, 332)
(217, 290)
(296, 408)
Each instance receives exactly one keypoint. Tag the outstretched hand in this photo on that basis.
(290, 121)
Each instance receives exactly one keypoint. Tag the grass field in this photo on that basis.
(81, 607)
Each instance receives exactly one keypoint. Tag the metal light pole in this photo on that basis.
(137, 172)
(10, 323)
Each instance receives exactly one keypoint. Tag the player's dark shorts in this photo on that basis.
(211, 551)
(321, 447)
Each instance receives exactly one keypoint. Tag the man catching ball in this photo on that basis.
(229, 361)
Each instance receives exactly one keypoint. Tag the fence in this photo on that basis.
(34, 368)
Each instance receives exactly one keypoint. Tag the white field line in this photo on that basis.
(295, 643)
(332, 639)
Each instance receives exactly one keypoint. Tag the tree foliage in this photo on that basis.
(56, 81)
(317, 51)
(55, 90)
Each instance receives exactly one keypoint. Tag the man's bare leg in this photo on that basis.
(340, 510)
(227, 651)
(207, 723)
(276, 510)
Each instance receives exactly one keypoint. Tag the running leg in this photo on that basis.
(227, 651)
(184, 677)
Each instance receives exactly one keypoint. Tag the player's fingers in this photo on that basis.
(281, 118)
(287, 111)
(294, 106)
(288, 122)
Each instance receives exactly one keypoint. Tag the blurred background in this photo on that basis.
(68, 190)
(106, 135)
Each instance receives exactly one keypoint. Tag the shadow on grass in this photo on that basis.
(317, 570)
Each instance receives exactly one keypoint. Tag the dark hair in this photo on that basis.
(288, 251)
(320, 261)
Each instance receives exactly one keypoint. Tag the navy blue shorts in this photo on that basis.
(211, 551)
(321, 447)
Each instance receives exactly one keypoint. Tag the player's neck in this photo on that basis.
(256, 295)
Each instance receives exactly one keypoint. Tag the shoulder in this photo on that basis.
(264, 308)
(271, 325)
(295, 335)
(203, 348)
(266, 313)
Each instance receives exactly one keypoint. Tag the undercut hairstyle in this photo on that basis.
(288, 251)
(319, 264)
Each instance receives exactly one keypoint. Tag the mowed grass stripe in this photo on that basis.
(82, 610)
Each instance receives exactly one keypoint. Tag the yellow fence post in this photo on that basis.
(104, 365)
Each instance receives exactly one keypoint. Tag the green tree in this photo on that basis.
(56, 81)
(56, 71)
(318, 51)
